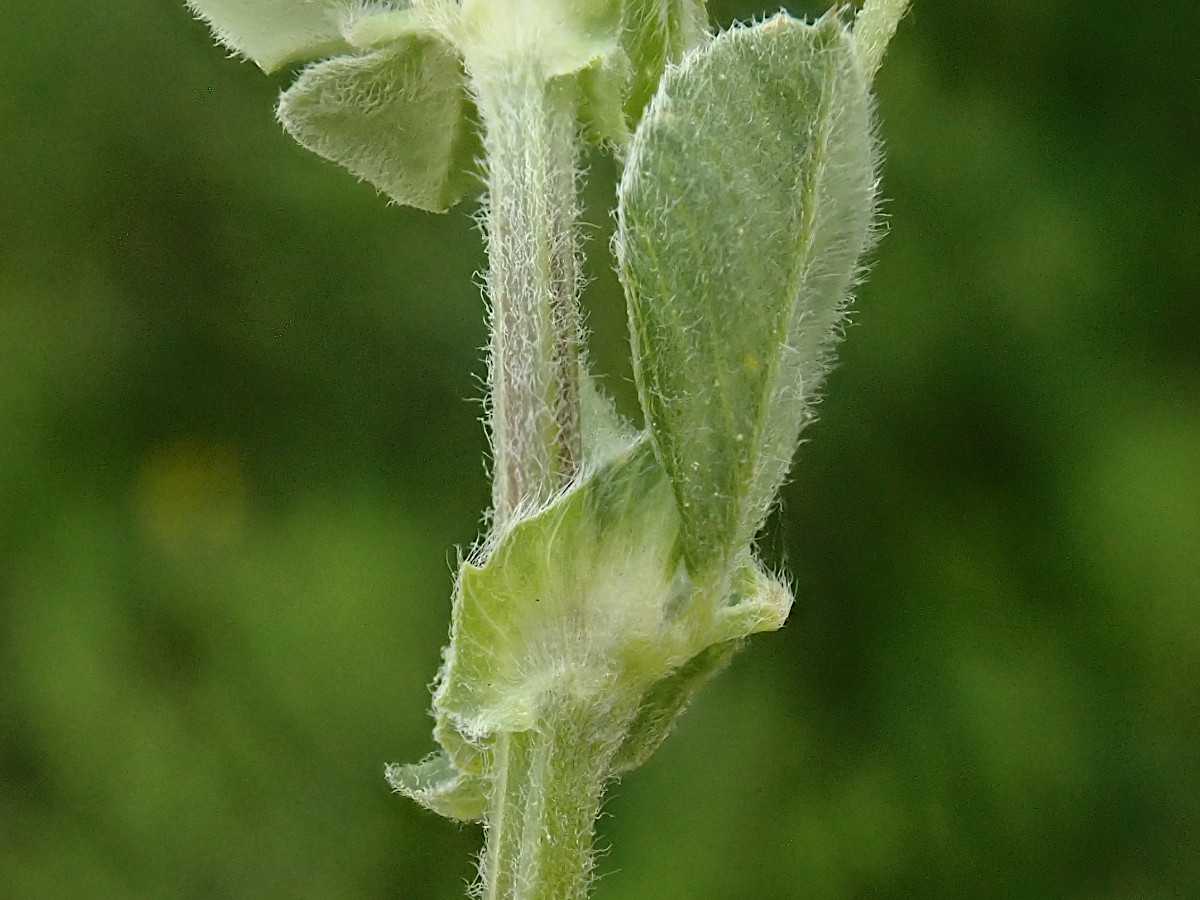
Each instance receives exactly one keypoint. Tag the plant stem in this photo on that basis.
(546, 793)
(546, 782)
(531, 147)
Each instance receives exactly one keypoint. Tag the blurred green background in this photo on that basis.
(239, 443)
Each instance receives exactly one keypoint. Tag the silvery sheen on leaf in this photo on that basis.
(746, 204)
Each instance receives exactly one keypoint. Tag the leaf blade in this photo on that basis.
(744, 209)
(589, 599)
(657, 33)
(273, 33)
(440, 787)
(398, 117)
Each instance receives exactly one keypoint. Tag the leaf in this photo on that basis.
(758, 602)
(398, 117)
(275, 32)
(665, 701)
(588, 599)
(602, 89)
(470, 757)
(605, 433)
(616, 88)
(437, 785)
(874, 27)
(550, 37)
(559, 593)
(744, 209)
(364, 26)
(656, 33)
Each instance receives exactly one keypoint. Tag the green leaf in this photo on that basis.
(365, 26)
(468, 756)
(605, 433)
(757, 602)
(550, 37)
(439, 786)
(874, 27)
(745, 207)
(584, 607)
(275, 32)
(561, 593)
(603, 87)
(665, 701)
(656, 33)
(398, 117)
(616, 88)
(589, 599)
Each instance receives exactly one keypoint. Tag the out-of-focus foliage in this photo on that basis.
(237, 446)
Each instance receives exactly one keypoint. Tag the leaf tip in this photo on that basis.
(874, 27)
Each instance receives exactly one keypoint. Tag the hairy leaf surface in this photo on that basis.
(589, 599)
(438, 785)
(275, 32)
(657, 33)
(744, 210)
(398, 117)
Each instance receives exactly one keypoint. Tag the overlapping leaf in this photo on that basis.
(398, 117)
(745, 208)
(657, 32)
(276, 32)
(438, 785)
(590, 599)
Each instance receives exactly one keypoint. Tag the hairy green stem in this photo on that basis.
(546, 794)
(530, 146)
(546, 782)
